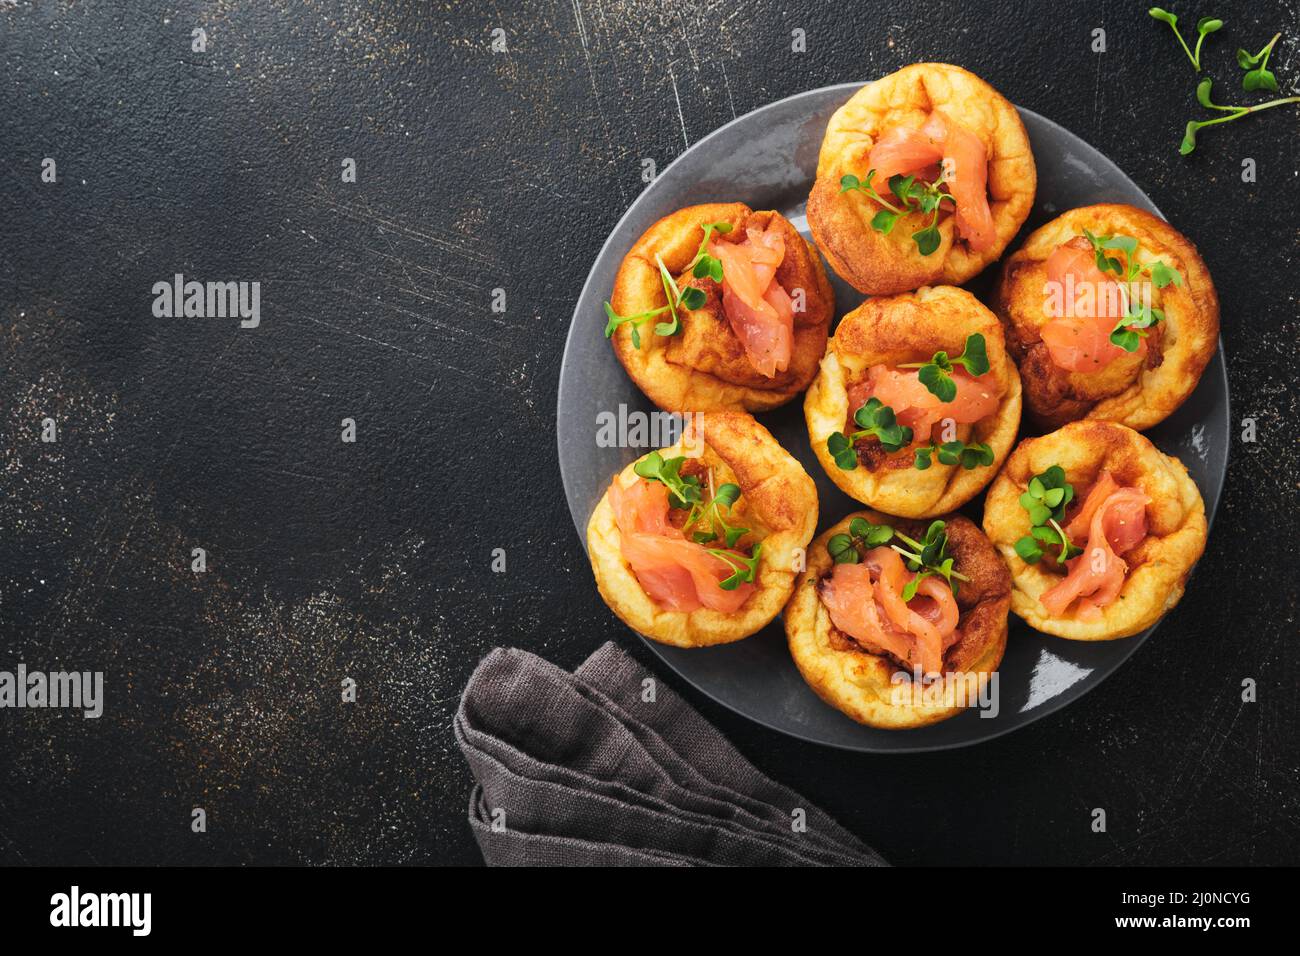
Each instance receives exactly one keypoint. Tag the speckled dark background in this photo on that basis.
(371, 560)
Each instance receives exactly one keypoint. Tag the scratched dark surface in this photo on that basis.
(327, 560)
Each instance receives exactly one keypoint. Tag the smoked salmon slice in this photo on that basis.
(1091, 303)
(760, 312)
(903, 151)
(677, 574)
(1095, 578)
(865, 601)
(920, 409)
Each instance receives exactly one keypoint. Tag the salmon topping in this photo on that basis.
(1083, 304)
(677, 574)
(760, 312)
(1114, 519)
(865, 601)
(941, 144)
(917, 407)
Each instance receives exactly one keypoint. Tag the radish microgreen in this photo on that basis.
(1258, 75)
(1204, 27)
(913, 195)
(1234, 113)
(928, 557)
(843, 548)
(1131, 328)
(935, 374)
(705, 265)
(743, 568)
(683, 490)
(688, 298)
(1045, 500)
(724, 497)
(873, 419)
(954, 453)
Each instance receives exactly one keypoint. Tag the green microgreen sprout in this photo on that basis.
(1204, 27)
(913, 195)
(843, 548)
(684, 491)
(936, 376)
(1258, 76)
(1234, 113)
(744, 567)
(705, 265)
(690, 298)
(874, 419)
(724, 497)
(1045, 500)
(927, 557)
(954, 453)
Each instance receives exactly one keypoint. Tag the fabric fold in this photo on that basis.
(589, 769)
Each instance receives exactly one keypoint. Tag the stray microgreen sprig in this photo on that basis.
(1204, 27)
(744, 568)
(843, 548)
(1258, 75)
(1045, 499)
(874, 419)
(683, 490)
(1234, 113)
(913, 195)
(936, 375)
(954, 453)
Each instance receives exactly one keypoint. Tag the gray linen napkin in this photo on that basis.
(579, 769)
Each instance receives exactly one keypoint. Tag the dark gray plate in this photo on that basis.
(767, 159)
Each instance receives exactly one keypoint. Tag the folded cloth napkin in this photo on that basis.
(590, 768)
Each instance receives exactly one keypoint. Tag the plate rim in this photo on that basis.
(1049, 708)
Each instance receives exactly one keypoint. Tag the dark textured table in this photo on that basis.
(371, 560)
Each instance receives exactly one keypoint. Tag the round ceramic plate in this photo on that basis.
(767, 159)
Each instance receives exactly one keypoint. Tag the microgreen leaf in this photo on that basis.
(1163, 275)
(841, 449)
(744, 568)
(1258, 76)
(683, 491)
(884, 221)
(1129, 330)
(911, 195)
(1166, 17)
(875, 419)
(1045, 499)
(1233, 113)
(927, 239)
(674, 298)
(843, 548)
(1029, 550)
(929, 556)
(934, 373)
(614, 320)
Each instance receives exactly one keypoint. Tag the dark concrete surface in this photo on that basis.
(371, 560)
